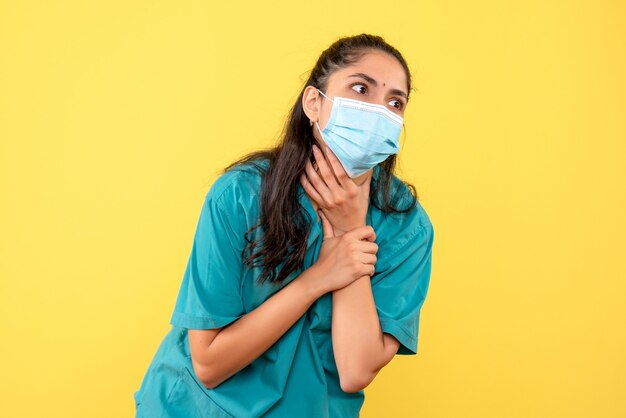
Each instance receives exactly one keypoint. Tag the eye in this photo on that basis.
(396, 103)
(359, 88)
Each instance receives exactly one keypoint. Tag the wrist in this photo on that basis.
(339, 232)
(314, 282)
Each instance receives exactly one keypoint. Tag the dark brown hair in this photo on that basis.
(284, 222)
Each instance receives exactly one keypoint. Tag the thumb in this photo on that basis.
(327, 228)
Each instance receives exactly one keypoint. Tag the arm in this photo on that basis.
(215, 358)
(399, 289)
(361, 348)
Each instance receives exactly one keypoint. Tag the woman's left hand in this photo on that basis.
(343, 202)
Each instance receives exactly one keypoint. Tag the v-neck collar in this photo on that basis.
(316, 222)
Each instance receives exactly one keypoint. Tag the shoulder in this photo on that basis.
(240, 185)
(232, 201)
(396, 230)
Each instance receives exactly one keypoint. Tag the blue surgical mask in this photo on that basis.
(361, 134)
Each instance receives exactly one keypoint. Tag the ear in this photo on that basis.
(311, 103)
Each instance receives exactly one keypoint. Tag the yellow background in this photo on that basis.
(115, 118)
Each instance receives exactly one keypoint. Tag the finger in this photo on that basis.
(368, 247)
(368, 270)
(308, 187)
(366, 258)
(316, 181)
(363, 233)
(327, 228)
(370, 236)
(315, 167)
(325, 170)
(340, 172)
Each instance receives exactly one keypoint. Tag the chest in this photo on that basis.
(319, 313)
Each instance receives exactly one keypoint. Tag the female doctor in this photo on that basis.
(310, 261)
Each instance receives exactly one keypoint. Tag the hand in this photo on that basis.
(346, 258)
(343, 201)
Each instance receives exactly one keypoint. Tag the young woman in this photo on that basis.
(310, 262)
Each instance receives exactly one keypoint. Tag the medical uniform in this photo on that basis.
(297, 376)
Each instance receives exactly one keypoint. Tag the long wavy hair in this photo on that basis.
(284, 222)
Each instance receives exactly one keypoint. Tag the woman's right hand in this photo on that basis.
(345, 258)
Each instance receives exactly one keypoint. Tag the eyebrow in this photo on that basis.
(375, 84)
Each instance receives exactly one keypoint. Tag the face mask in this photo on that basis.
(361, 134)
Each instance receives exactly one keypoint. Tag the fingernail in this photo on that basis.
(329, 151)
(315, 149)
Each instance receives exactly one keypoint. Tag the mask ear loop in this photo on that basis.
(320, 131)
(310, 121)
(325, 95)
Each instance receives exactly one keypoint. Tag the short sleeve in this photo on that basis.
(401, 284)
(210, 292)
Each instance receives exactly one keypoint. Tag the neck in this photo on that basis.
(313, 203)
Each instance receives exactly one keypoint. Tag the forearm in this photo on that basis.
(244, 340)
(357, 337)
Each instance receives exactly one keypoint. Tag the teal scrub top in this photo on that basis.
(297, 376)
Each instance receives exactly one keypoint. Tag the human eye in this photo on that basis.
(398, 104)
(359, 88)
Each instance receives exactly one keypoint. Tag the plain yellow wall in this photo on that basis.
(115, 118)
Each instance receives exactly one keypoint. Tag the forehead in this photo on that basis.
(382, 67)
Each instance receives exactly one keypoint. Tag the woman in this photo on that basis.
(310, 263)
